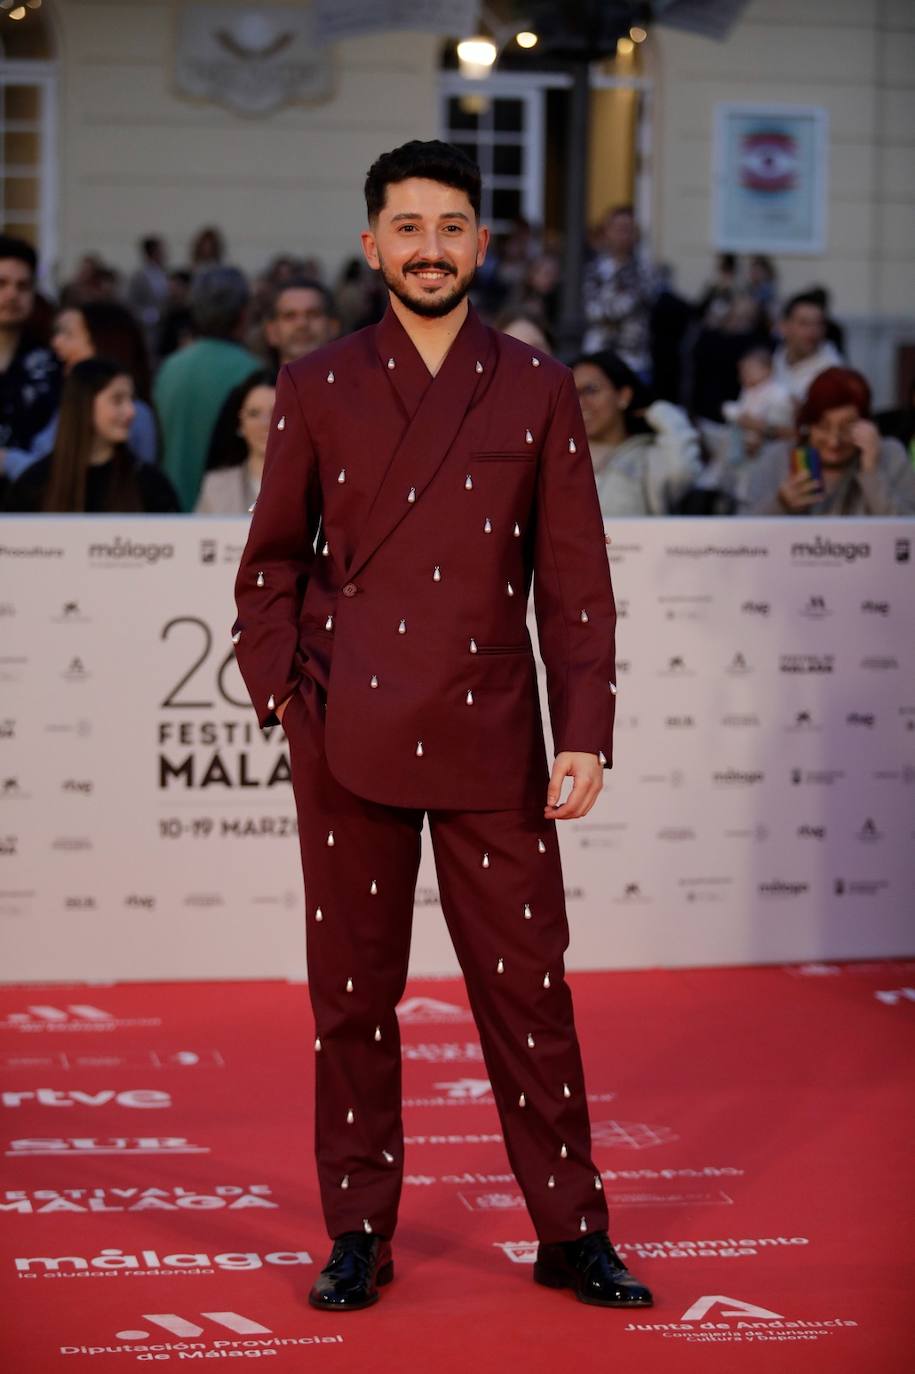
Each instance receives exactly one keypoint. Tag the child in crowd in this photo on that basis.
(764, 409)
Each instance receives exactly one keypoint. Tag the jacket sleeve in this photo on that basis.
(573, 595)
(278, 559)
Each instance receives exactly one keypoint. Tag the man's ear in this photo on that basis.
(370, 249)
(482, 243)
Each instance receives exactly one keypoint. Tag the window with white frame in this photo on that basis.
(499, 123)
(28, 158)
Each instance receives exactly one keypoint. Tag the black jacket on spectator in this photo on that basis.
(157, 494)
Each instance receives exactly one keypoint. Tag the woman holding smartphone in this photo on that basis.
(839, 464)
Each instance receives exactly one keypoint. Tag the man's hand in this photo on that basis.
(587, 775)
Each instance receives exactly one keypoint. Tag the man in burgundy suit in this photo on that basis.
(420, 474)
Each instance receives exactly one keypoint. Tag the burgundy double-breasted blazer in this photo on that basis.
(401, 520)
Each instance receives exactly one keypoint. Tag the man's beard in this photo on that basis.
(429, 309)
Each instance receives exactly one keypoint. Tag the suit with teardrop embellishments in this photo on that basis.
(401, 522)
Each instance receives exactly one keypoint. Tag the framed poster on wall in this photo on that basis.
(770, 177)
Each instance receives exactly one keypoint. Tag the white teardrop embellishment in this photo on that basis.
(602, 759)
(349, 984)
(350, 1117)
(597, 1183)
(500, 966)
(535, 362)
(479, 367)
(469, 698)
(271, 702)
(527, 911)
(330, 839)
(251, 507)
(486, 859)
(566, 1091)
(564, 1152)
(236, 637)
(583, 1225)
(344, 1182)
(517, 530)
(584, 617)
(411, 495)
(522, 1101)
(386, 1155)
(613, 688)
(377, 1033)
(530, 1041)
(473, 646)
(330, 377)
(487, 526)
(373, 888)
(510, 589)
(551, 1182)
(373, 680)
(329, 622)
(341, 476)
(468, 483)
(402, 628)
(282, 422)
(546, 980)
(528, 437)
(366, 1226)
(541, 847)
(318, 1045)
(573, 448)
(391, 364)
(319, 914)
(437, 574)
(326, 550)
(260, 579)
(419, 748)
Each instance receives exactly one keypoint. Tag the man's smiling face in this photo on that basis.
(427, 245)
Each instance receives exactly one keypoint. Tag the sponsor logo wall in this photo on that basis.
(759, 808)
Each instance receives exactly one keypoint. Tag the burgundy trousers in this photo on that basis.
(500, 881)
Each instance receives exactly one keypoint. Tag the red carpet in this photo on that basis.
(753, 1127)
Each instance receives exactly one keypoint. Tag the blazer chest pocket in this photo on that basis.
(503, 456)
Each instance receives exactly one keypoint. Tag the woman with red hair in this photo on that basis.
(840, 465)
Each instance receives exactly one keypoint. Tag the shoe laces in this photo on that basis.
(598, 1246)
(356, 1246)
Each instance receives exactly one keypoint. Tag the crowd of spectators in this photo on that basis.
(155, 393)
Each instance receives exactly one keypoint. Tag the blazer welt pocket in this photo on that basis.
(503, 456)
(503, 649)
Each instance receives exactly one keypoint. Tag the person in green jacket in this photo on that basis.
(192, 384)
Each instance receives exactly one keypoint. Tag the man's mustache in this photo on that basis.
(431, 267)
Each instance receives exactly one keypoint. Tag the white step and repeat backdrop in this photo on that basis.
(761, 807)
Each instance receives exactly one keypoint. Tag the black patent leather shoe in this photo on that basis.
(360, 1263)
(593, 1269)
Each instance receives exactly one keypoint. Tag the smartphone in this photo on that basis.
(806, 462)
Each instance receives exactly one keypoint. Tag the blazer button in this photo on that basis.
(349, 589)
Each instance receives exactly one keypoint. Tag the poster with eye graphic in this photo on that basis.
(770, 178)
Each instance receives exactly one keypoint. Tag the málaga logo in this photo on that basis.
(151, 1262)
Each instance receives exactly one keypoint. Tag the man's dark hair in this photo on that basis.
(20, 249)
(150, 244)
(304, 284)
(802, 298)
(219, 297)
(431, 160)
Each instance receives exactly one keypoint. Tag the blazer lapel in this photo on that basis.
(435, 408)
